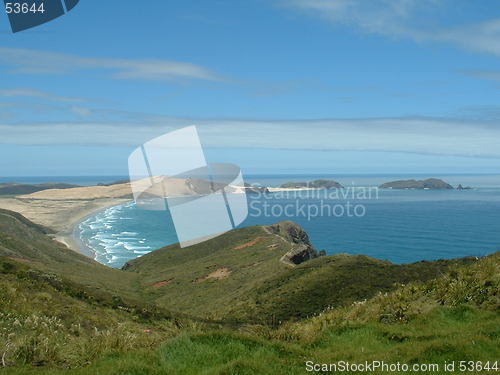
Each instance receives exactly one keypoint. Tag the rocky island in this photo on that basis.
(316, 184)
(430, 183)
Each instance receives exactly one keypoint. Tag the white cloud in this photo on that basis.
(81, 111)
(417, 135)
(10, 93)
(43, 62)
(384, 17)
(412, 19)
(479, 37)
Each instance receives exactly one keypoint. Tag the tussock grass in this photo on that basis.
(454, 317)
(476, 286)
(44, 321)
(55, 322)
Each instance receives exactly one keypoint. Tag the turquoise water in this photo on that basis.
(398, 225)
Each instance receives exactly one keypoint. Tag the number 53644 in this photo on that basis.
(24, 8)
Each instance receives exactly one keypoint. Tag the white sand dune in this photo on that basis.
(82, 193)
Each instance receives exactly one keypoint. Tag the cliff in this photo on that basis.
(301, 250)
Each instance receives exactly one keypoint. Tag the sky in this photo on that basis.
(275, 86)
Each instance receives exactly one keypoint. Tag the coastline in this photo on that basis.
(74, 241)
(62, 216)
(62, 210)
(71, 236)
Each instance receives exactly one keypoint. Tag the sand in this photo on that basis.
(62, 209)
(82, 193)
(59, 215)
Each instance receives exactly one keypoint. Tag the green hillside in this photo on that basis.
(242, 276)
(331, 281)
(452, 318)
(274, 304)
(47, 320)
(255, 274)
(206, 278)
(28, 243)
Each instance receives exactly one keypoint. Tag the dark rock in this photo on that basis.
(256, 189)
(302, 249)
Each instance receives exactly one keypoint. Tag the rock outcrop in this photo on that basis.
(301, 250)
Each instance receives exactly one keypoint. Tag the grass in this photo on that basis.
(434, 337)
(51, 323)
(445, 334)
(437, 326)
(46, 320)
(330, 281)
(258, 287)
(26, 242)
(212, 353)
(187, 270)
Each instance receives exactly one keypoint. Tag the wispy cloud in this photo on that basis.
(489, 75)
(265, 89)
(24, 92)
(377, 16)
(411, 19)
(29, 61)
(414, 135)
(486, 112)
(81, 111)
(479, 37)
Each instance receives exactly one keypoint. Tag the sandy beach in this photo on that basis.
(62, 209)
(59, 215)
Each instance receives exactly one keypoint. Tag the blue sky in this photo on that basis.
(273, 85)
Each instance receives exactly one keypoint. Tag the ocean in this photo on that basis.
(397, 225)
